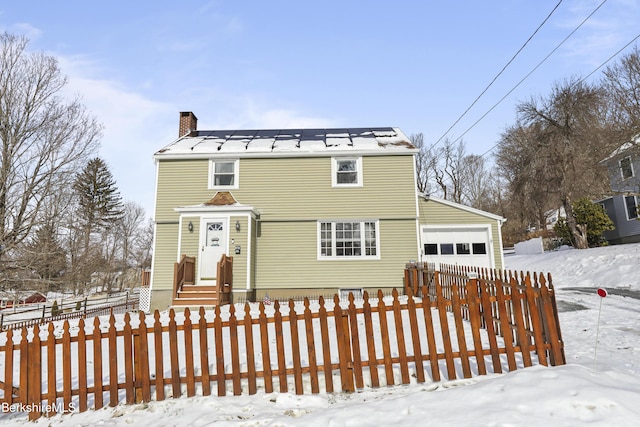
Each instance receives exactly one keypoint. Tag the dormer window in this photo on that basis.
(626, 168)
(346, 171)
(223, 174)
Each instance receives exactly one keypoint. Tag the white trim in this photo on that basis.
(500, 245)
(334, 171)
(200, 209)
(626, 209)
(284, 154)
(236, 174)
(226, 220)
(155, 227)
(454, 227)
(463, 207)
(630, 166)
(250, 254)
(334, 257)
(416, 194)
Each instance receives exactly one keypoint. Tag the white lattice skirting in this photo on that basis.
(145, 300)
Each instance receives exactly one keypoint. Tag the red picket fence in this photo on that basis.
(520, 307)
(331, 348)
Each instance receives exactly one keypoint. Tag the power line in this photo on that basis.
(529, 73)
(578, 82)
(497, 75)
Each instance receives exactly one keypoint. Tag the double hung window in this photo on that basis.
(223, 174)
(352, 239)
(626, 168)
(346, 172)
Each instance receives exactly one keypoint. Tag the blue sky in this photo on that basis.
(283, 64)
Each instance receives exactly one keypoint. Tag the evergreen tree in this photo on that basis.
(54, 308)
(592, 217)
(99, 208)
(48, 259)
(99, 200)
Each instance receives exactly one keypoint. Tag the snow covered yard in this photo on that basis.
(604, 393)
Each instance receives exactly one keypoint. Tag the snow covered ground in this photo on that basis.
(597, 388)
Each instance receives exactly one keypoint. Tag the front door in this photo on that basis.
(213, 245)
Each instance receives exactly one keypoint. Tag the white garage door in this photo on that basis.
(458, 245)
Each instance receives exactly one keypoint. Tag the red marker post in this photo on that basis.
(602, 293)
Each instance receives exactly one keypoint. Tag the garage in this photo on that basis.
(467, 245)
(452, 233)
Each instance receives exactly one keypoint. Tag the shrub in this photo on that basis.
(591, 214)
(54, 308)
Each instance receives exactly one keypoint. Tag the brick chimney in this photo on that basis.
(188, 122)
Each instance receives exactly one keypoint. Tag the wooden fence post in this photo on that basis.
(344, 347)
(34, 358)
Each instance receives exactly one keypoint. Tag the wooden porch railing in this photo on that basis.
(224, 281)
(184, 272)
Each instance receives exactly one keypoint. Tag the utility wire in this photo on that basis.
(529, 73)
(497, 75)
(578, 82)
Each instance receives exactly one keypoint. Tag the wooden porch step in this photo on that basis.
(196, 288)
(195, 302)
(197, 294)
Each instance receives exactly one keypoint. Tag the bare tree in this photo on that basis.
(43, 140)
(130, 229)
(477, 182)
(448, 170)
(567, 132)
(425, 164)
(621, 82)
(622, 85)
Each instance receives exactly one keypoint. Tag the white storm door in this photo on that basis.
(213, 245)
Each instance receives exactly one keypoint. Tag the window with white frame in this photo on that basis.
(223, 174)
(631, 203)
(349, 239)
(626, 168)
(346, 171)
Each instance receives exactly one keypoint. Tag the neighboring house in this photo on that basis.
(26, 298)
(451, 233)
(303, 212)
(624, 175)
(553, 216)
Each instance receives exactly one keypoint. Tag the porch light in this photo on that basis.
(237, 225)
(190, 227)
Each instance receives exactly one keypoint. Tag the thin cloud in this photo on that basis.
(26, 29)
(606, 31)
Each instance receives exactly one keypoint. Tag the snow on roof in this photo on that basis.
(633, 143)
(288, 141)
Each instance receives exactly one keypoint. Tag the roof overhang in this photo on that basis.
(463, 207)
(282, 154)
(202, 209)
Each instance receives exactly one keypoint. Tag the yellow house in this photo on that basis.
(301, 211)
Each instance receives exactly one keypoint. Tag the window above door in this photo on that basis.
(224, 174)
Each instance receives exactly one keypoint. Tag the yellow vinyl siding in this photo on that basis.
(300, 188)
(239, 238)
(434, 213)
(164, 256)
(180, 183)
(294, 188)
(288, 258)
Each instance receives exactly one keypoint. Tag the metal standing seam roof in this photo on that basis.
(291, 141)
